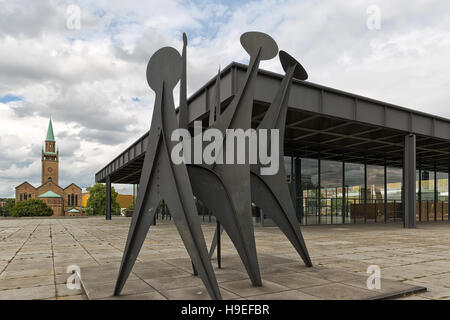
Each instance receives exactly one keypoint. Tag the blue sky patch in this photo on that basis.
(9, 98)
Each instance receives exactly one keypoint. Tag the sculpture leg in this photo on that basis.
(282, 214)
(140, 224)
(183, 210)
(210, 189)
(212, 248)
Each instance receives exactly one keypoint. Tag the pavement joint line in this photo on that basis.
(98, 228)
(152, 286)
(53, 261)
(11, 234)
(73, 237)
(18, 250)
(434, 254)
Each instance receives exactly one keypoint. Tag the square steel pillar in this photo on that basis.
(409, 178)
(108, 198)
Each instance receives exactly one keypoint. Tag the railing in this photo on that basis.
(335, 211)
(355, 211)
(162, 212)
(426, 211)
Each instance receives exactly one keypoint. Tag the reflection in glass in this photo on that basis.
(442, 196)
(288, 166)
(354, 184)
(310, 180)
(375, 193)
(331, 192)
(394, 177)
(418, 213)
(427, 195)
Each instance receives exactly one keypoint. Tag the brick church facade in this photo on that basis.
(63, 201)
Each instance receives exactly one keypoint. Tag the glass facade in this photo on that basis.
(442, 196)
(310, 190)
(338, 192)
(375, 194)
(354, 194)
(427, 195)
(394, 194)
(331, 192)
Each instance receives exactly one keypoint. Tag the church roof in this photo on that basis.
(51, 182)
(49, 194)
(50, 136)
(72, 184)
(26, 182)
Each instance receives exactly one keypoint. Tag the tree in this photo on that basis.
(96, 204)
(31, 208)
(5, 211)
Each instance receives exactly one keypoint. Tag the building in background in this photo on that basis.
(349, 158)
(63, 201)
(124, 200)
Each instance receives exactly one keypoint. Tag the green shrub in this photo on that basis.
(6, 210)
(31, 208)
(96, 204)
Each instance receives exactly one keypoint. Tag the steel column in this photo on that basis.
(108, 198)
(409, 178)
(435, 192)
(365, 190)
(420, 191)
(344, 198)
(385, 191)
(319, 194)
(298, 189)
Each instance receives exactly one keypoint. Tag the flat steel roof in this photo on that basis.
(339, 125)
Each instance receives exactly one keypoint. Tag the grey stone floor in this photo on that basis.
(35, 254)
(283, 279)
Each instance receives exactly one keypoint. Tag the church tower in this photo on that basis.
(50, 158)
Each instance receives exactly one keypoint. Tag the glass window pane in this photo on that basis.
(427, 195)
(418, 213)
(394, 194)
(310, 179)
(442, 196)
(375, 193)
(331, 192)
(354, 186)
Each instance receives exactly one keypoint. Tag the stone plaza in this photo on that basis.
(35, 255)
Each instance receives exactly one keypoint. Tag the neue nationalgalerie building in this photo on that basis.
(350, 159)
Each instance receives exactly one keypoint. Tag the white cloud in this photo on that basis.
(87, 79)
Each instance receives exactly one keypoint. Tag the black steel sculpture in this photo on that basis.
(271, 192)
(162, 180)
(226, 189)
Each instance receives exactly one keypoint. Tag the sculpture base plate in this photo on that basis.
(283, 279)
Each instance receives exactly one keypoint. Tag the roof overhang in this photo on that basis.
(337, 124)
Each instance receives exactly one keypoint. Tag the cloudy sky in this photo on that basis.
(91, 79)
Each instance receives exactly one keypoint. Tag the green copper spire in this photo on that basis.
(50, 136)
